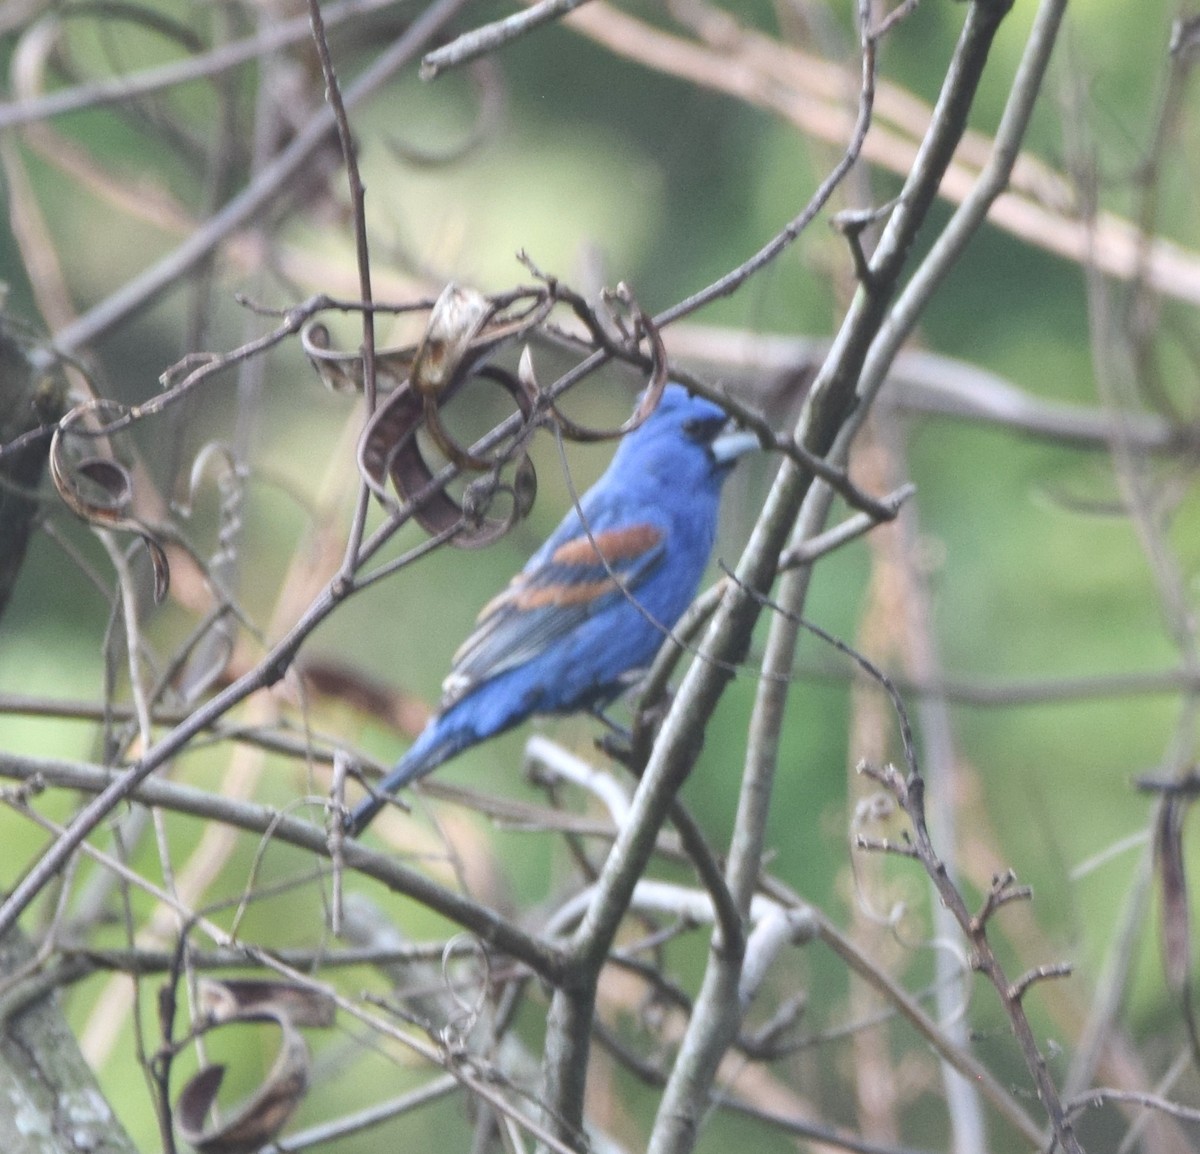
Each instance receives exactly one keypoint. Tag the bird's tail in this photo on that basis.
(437, 743)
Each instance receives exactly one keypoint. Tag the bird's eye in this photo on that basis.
(703, 430)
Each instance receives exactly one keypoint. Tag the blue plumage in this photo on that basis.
(564, 635)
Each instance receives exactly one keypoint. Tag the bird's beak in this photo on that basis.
(732, 443)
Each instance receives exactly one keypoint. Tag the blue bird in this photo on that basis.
(588, 612)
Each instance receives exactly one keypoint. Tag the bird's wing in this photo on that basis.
(568, 581)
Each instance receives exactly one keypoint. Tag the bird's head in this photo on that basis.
(686, 433)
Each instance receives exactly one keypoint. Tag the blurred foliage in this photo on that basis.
(601, 164)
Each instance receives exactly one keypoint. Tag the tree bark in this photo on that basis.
(50, 1102)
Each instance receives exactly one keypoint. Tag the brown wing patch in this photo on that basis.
(577, 593)
(611, 546)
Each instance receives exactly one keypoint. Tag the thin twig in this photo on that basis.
(333, 94)
(480, 41)
(485, 923)
(259, 195)
(198, 67)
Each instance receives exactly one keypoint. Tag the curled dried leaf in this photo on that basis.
(343, 372)
(251, 999)
(257, 1121)
(464, 330)
(92, 483)
(650, 395)
(111, 488)
(99, 489)
(389, 448)
(383, 446)
(451, 339)
(1172, 879)
(158, 563)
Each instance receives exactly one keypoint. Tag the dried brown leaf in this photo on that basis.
(257, 1120)
(1172, 877)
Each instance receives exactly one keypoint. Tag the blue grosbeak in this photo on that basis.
(593, 604)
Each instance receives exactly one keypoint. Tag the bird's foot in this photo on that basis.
(631, 746)
(616, 741)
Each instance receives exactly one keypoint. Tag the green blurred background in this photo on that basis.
(1034, 574)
